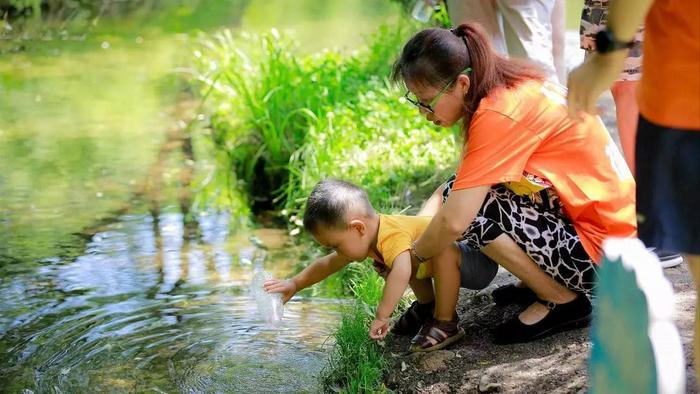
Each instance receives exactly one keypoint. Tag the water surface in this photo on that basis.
(109, 280)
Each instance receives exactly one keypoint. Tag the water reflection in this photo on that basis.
(108, 280)
(146, 307)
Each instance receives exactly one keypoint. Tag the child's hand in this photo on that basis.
(287, 287)
(379, 328)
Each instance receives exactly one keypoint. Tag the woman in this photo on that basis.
(535, 191)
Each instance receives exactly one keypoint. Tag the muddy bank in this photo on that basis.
(557, 364)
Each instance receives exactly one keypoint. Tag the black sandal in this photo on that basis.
(561, 317)
(415, 316)
(436, 335)
(512, 294)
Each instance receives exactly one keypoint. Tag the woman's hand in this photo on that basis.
(379, 328)
(287, 287)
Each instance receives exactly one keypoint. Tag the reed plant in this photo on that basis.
(356, 363)
(285, 119)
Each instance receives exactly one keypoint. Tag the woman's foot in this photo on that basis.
(512, 294)
(413, 319)
(437, 334)
(559, 317)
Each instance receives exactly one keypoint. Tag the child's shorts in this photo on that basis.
(668, 186)
(476, 270)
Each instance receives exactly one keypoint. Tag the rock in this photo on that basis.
(487, 384)
(403, 366)
(433, 361)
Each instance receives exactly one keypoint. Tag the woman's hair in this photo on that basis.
(435, 57)
(330, 201)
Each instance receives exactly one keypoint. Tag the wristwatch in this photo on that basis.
(606, 42)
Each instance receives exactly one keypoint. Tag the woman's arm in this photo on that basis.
(451, 220)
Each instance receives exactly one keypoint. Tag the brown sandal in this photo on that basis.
(436, 334)
(413, 319)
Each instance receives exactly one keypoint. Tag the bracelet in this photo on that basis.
(418, 257)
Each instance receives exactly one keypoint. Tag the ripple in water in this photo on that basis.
(146, 309)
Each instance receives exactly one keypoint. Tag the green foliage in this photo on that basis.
(356, 363)
(287, 120)
(365, 284)
(377, 142)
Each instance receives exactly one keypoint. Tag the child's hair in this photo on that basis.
(330, 201)
(435, 57)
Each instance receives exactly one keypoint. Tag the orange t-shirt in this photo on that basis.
(669, 93)
(526, 130)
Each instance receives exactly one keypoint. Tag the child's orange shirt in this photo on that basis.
(395, 235)
(525, 130)
(669, 93)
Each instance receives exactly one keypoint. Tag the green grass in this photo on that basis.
(286, 120)
(356, 363)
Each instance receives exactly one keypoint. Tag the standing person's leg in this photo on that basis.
(527, 25)
(559, 39)
(627, 112)
(482, 11)
(594, 17)
(624, 92)
(668, 183)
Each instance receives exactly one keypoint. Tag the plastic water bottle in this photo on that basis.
(270, 306)
(423, 10)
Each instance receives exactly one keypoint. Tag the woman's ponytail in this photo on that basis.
(435, 57)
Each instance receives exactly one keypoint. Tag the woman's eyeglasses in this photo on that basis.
(411, 98)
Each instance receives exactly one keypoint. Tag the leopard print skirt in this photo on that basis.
(538, 225)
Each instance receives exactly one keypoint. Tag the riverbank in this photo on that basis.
(556, 364)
